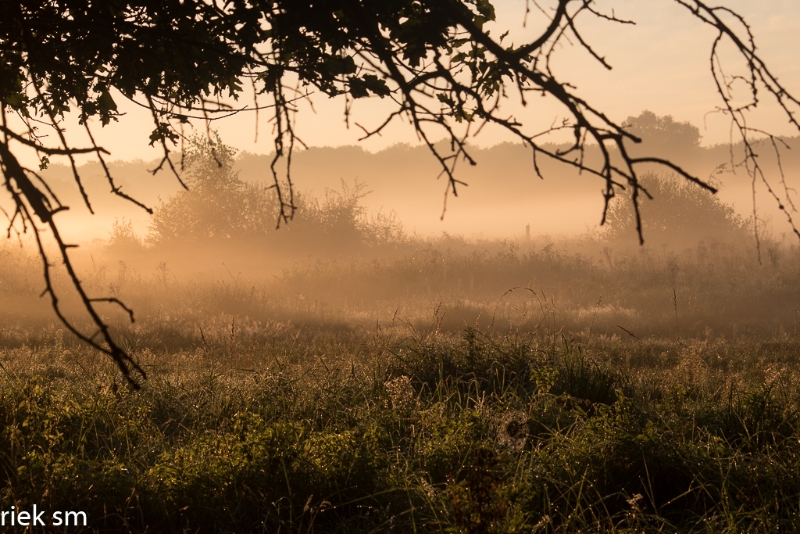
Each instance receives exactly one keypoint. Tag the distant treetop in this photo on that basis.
(674, 137)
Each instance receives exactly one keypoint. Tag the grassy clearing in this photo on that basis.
(280, 428)
(447, 388)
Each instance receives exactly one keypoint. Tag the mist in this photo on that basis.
(391, 343)
(373, 241)
(461, 294)
(502, 196)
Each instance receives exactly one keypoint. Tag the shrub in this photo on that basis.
(680, 214)
(123, 240)
(220, 209)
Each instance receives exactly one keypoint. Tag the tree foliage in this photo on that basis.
(664, 133)
(679, 215)
(219, 208)
(434, 60)
(216, 205)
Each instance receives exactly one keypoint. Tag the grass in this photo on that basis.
(427, 397)
(331, 430)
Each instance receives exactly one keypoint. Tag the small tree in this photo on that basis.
(217, 205)
(123, 239)
(680, 214)
(220, 208)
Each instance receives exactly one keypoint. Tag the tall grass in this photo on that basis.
(701, 292)
(446, 387)
(270, 428)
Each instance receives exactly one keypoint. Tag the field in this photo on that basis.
(503, 310)
(448, 386)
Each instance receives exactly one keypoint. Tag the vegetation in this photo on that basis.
(446, 387)
(453, 387)
(664, 134)
(253, 427)
(680, 213)
(437, 64)
(220, 211)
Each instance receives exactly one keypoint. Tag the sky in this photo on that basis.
(660, 64)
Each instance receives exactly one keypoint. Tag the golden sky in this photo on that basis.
(661, 64)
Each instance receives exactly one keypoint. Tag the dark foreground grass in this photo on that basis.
(283, 429)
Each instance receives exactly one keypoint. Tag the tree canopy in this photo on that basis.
(682, 214)
(220, 208)
(664, 133)
(434, 60)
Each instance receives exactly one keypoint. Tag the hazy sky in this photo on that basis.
(661, 64)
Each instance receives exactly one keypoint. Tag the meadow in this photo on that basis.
(434, 385)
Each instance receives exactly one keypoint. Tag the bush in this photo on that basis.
(217, 205)
(219, 208)
(123, 240)
(680, 214)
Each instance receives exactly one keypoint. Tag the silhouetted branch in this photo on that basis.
(435, 61)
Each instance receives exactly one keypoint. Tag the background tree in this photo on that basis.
(433, 59)
(220, 209)
(664, 134)
(680, 215)
(216, 204)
